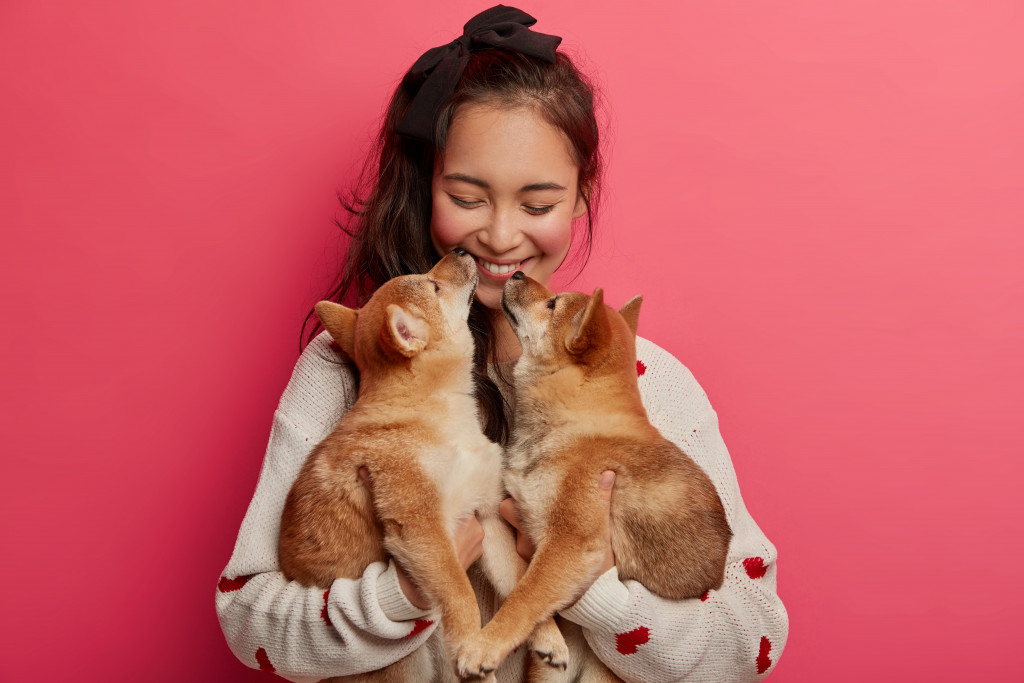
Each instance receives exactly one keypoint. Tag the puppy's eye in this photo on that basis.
(437, 287)
(551, 303)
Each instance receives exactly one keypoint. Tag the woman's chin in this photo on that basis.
(489, 297)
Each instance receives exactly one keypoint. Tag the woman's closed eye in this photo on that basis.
(532, 209)
(465, 203)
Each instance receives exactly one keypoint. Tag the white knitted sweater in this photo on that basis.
(736, 633)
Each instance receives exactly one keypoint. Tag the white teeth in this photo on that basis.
(499, 270)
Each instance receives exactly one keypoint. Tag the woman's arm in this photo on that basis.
(736, 633)
(307, 634)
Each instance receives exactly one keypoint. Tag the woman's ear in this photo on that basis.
(581, 203)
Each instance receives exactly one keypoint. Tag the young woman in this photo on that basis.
(490, 144)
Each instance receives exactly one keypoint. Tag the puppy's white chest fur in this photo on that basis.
(464, 465)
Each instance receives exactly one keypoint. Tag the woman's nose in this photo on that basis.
(502, 233)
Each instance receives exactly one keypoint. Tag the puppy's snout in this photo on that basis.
(518, 275)
(457, 268)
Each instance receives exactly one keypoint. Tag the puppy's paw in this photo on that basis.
(549, 645)
(477, 660)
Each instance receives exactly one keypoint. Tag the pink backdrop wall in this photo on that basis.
(821, 202)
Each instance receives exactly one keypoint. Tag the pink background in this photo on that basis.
(822, 203)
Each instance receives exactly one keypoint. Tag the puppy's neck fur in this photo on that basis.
(550, 401)
(428, 379)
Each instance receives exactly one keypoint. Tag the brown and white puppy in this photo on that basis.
(415, 428)
(578, 413)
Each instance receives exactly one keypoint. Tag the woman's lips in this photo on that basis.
(498, 271)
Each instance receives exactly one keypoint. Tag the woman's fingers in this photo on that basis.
(469, 540)
(524, 546)
(507, 509)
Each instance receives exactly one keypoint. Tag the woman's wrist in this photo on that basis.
(394, 603)
(409, 589)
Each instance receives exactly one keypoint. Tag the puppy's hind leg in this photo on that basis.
(500, 562)
(503, 568)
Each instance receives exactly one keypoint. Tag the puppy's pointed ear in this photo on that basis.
(404, 332)
(340, 323)
(591, 326)
(631, 312)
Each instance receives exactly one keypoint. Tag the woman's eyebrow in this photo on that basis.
(541, 186)
(468, 179)
(533, 187)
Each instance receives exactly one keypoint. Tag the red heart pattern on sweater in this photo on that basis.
(755, 567)
(640, 368)
(323, 612)
(264, 661)
(763, 662)
(226, 585)
(419, 626)
(627, 643)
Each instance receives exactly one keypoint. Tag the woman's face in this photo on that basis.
(505, 190)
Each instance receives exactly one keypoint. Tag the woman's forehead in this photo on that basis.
(507, 147)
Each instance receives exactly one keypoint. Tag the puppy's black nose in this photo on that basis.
(518, 275)
(459, 251)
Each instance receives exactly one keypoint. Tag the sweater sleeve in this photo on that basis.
(303, 633)
(736, 633)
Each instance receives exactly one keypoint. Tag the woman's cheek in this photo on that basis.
(555, 237)
(445, 232)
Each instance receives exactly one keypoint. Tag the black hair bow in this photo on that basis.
(436, 74)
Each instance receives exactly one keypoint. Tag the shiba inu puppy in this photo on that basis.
(415, 428)
(578, 413)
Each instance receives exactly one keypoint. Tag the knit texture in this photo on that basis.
(736, 633)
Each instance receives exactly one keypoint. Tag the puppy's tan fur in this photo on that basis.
(415, 428)
(578, 413)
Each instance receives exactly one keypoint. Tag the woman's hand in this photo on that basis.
(469, 538)
(524, 545)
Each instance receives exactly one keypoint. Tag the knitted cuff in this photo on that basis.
(603, 606)
(393, 602)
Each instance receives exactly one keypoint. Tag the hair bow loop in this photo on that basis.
(436, 74)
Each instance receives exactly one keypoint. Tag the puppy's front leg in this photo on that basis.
(504, 567)
(566, 558)
(424, 549)
(418, 538)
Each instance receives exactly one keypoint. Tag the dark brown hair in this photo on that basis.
(388, 212)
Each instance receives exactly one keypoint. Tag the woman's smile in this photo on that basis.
(499, 270)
